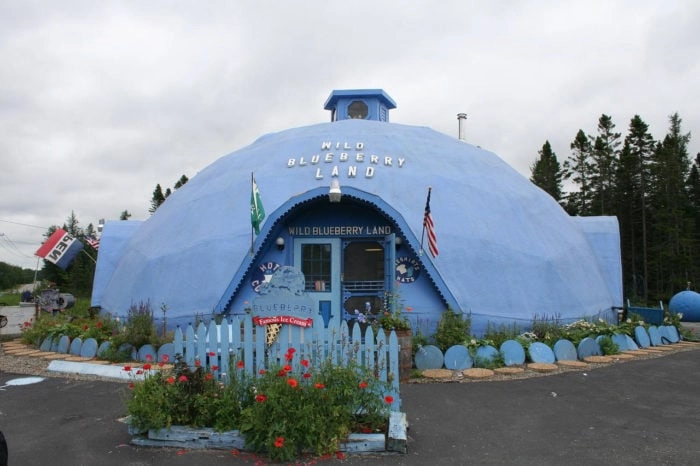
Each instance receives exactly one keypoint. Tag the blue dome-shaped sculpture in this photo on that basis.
(507, 250)
(687, 303)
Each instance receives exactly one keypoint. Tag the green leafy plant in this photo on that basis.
(608, 346)
(502, 333)
(453, 329)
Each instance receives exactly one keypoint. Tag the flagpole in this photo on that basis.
(91, 258)
(422, 235)
(252, 186)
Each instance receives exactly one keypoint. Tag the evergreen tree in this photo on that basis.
(181, 182)
(640, 145)
(604, 156)
(579, 168)
(671, 229)
(125, 215)
(157, 199)
(546, 172)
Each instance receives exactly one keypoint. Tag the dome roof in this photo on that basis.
(508, 251)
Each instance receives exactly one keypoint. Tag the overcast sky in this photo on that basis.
(102, 100)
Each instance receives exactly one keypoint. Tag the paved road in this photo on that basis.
(637, 412)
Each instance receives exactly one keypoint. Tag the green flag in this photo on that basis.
(257, 211)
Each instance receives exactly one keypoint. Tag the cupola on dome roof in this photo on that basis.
(362, 104)
(507, 250)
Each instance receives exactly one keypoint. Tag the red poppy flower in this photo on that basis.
(291, 350)
(127, 368)
(292, 383)
(281, 373)
(85, 327)
(209, 376)
(340, 455)
(149, 357)
(260, 398)
(319, 385)
(363, 384)
(131, 385)
(215, 367)
(240, 364)
(197, 363)
(147, 367)
(182, 378)
(288, 356)
(139, 372)
(99, 325)
(212, 354)
(161, 364)
(307, 375)
(389, 399)
(261, 371)
(304, 363)
(279, 442)
(287, 368)
(171, 380)
(165, 358)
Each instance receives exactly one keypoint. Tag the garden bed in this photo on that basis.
(394, 441)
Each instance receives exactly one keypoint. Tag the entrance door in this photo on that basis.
(319, 260)
(368, 274)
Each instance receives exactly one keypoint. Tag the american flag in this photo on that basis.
(94, 242)
(429, 227)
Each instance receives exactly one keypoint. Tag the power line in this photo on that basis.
(23, 224)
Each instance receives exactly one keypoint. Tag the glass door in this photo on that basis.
(319, 260)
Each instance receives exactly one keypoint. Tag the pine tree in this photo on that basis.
(640, 145)
(157, 199)
(671, 233)
(124, 215)
(604, 157)
(579, 168)
(546, 172)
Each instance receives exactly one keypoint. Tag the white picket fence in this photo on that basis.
(239, 339)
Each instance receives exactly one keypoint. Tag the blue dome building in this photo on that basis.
(345, 203)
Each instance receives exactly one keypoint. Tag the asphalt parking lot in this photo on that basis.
(636, 412)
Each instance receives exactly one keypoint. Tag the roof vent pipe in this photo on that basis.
(461, 118)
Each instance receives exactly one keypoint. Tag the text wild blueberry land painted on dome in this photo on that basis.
(348, 158)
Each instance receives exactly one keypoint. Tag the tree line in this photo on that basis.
(652, 187)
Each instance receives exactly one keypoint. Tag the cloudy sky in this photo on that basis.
(102, 100)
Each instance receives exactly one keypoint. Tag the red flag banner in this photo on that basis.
(429, 227)
(60, 249)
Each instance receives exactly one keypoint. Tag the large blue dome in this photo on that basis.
(508, 251)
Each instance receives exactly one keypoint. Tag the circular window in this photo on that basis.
(358, 110)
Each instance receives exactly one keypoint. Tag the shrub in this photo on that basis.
(502, 333)
(453, 329)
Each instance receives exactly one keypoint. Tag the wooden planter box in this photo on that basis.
(193, 438)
